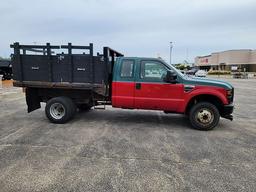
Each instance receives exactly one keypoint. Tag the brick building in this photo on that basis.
(245, 59)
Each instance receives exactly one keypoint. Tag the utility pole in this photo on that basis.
(171, 46)
(34, 42)
(187, 54)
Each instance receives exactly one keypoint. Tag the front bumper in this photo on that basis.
(226, 111)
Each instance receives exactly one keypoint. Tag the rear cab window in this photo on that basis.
(127, 69)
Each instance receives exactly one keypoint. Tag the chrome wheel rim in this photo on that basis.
(57, 110)
(205, 116)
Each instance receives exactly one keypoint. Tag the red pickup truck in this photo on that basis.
(67, 82)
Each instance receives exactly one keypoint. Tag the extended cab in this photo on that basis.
(70, 81)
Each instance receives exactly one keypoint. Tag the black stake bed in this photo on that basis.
(47, 66)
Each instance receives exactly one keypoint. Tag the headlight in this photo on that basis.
(229, 93)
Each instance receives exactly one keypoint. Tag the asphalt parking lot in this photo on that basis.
(127, 150)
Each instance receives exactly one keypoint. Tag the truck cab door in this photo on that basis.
(152, 92)
(123, 85)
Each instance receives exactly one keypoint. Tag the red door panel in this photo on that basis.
(161, 96)
(123, 94)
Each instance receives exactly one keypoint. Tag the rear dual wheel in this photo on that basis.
(60, 109)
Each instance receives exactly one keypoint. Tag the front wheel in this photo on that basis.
(60, 109)
(204, 116)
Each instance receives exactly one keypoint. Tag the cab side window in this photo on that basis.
(127, 69)
(152, 71)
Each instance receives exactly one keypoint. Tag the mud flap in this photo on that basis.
(32, 99)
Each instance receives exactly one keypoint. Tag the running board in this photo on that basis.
(101, 108)
(102, 104)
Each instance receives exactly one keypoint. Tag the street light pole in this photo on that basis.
(171, 46)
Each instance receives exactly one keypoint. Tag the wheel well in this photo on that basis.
(78, 96)
(206, 98)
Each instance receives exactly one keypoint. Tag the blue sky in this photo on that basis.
(134, 27)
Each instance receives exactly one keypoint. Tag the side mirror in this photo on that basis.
(170, 77)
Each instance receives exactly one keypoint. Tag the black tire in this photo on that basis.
(204, 116)
(8, 76)
(60, 109)
(4, 76)
(84, 107)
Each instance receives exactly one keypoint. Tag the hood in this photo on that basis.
(207, 82)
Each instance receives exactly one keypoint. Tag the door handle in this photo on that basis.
(138, 85)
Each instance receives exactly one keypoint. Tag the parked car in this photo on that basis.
(201, 73)
(191, 71)
(70, 81)
(5, 69)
